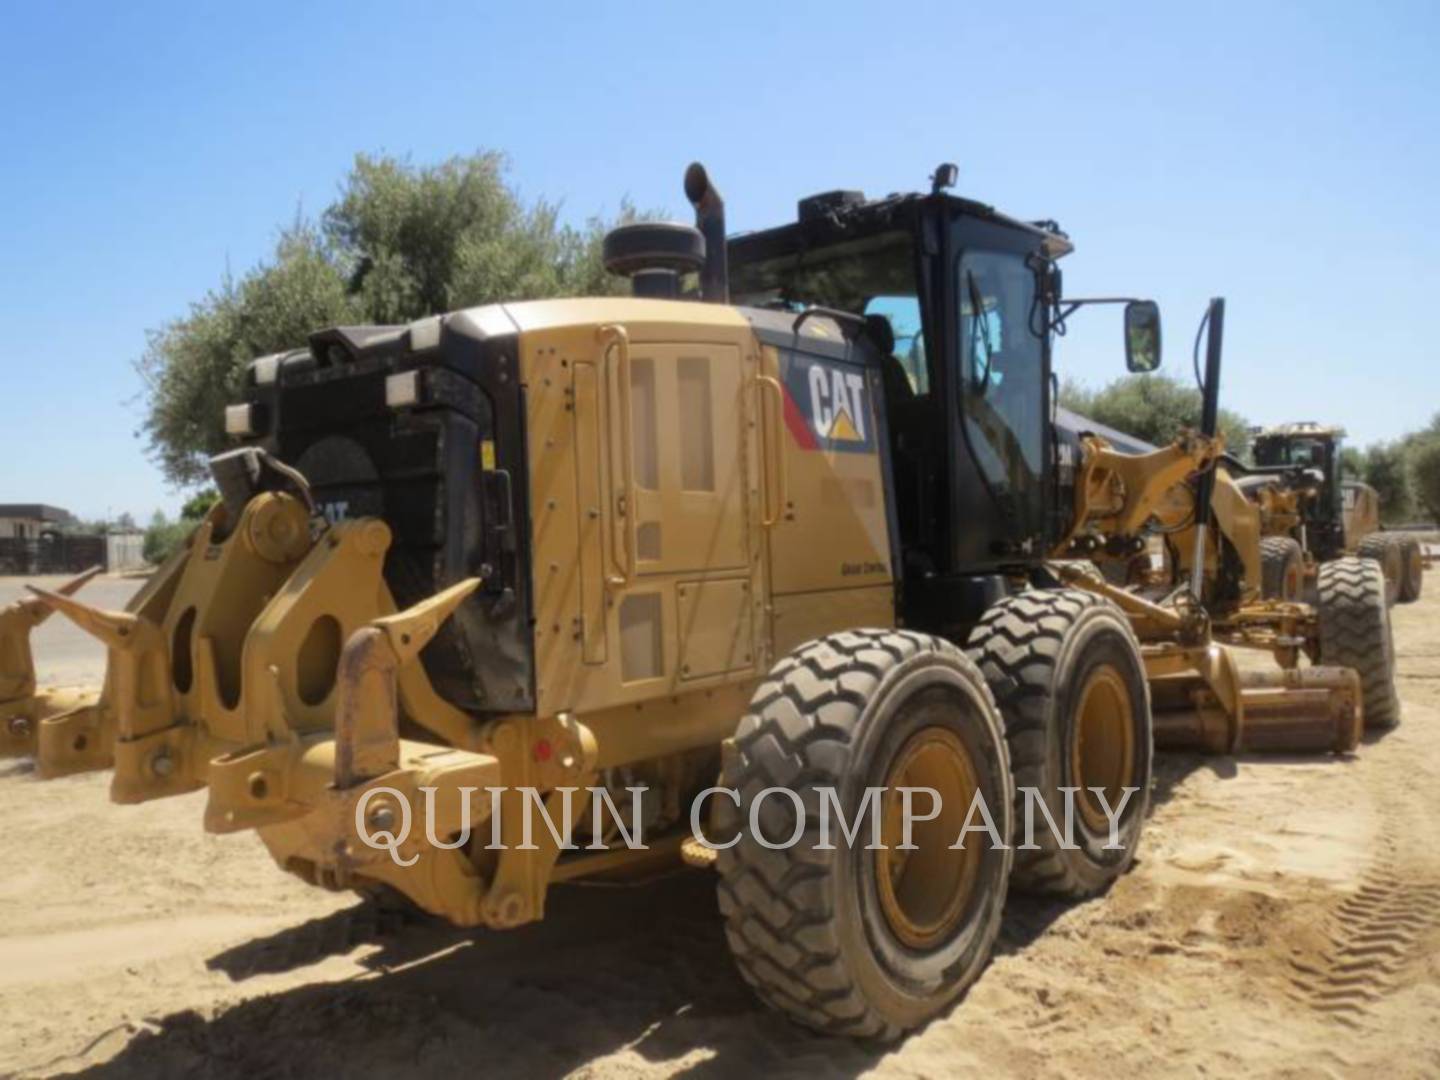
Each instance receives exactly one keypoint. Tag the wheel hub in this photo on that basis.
(925, 891)
(1102, 748)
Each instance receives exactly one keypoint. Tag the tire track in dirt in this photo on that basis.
(1377, 935)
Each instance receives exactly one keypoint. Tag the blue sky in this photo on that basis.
(1284, 155)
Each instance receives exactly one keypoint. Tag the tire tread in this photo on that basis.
(1017, 645)
(1355, 633)
(779, 915)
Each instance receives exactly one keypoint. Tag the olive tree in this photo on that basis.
(1425, 471)
(1153, 408)
(400, 242)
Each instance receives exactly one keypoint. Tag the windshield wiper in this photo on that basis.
(979, 321)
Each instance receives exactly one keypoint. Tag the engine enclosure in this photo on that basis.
(422, 426)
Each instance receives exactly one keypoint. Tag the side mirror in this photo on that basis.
(1142, 335)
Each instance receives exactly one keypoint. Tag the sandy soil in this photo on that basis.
(1282, 920)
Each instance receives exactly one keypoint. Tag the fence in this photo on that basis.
(51, 553)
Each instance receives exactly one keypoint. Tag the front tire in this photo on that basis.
(1413, 561)
(1378, 546)
(1282, 569)
(852, 941)
(1355, 633)
(1066, 671)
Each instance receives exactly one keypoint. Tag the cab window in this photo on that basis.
(908, 335)
(1001, 366)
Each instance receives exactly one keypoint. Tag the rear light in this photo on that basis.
(403, 389)
(242, 421)
(265, 370)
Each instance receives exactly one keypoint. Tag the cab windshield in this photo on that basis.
(1309, 452)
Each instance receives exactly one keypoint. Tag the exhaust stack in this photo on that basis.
(710, 220)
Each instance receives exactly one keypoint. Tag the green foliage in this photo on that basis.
(1404, 473)
(1425, 471)
(1387, 471)
(192, 368)
(199, 504)
(163, 536)
(401, 242)
(1152, 407)
(415, 241)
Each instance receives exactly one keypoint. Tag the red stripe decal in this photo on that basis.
(795, 420)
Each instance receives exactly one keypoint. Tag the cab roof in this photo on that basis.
(833, 214)
(1298, 428)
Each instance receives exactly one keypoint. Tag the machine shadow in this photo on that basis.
(644, 971)
(17, 767)
(1028, 917)
(611, 970)
(1172, 769)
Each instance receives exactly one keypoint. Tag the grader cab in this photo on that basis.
(694, 565)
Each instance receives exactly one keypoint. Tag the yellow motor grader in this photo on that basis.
(701, 562)
(1310, 514)
(1212, 592)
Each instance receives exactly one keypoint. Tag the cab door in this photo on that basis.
(1002, 397)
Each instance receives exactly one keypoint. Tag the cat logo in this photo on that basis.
(335, 512)
(827, 406)
(837, 403)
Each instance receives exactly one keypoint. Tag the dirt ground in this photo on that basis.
(1283, 919)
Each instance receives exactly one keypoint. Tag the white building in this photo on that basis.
(124, 550)
(26, 521)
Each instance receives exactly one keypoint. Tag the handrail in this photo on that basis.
(614, 337)
(773, 443)
(837, 315)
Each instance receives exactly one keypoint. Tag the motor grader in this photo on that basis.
(1207, 591)
(1310, 514)
(788, 530)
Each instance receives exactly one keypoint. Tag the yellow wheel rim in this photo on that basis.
(924, 892)
(1102, 746)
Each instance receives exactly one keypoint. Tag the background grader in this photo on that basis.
(791, 535)
(1309, 514)
(1208, 590)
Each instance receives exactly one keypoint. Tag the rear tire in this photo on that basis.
(1378, 546)
(814, 931)
(1355, 633)
(1413, 561)
(1045, 654)
(1282, 569)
